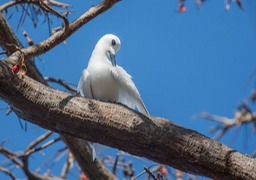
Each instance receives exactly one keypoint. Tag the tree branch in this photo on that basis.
(62, 35)
(47, 2)
(7, 172)
(61, 82)
(225, 123)
(117, 126)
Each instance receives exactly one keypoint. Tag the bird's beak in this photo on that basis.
(112, 58)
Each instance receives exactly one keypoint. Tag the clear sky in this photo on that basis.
(181, 63)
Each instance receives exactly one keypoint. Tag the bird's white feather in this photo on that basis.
(104, 80)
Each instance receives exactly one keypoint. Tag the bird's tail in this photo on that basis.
(141, 106)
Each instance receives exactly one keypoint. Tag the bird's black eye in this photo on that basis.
(113, 42)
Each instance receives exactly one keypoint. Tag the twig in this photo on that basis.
(61, 82)
(48, 2)
(58, 4)
(134, 178)
(3, 141)
(7, 5)
(67, 165)
(30, 151)
(241, 117)
(30, 41)
(55, 155)
(43, 5)
(38, 140)
(115, 164)
(7, 172)
(47, 8)
(150, 173)
(11, 156)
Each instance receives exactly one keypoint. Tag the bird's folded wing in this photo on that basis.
(84, 85)
(128, 93)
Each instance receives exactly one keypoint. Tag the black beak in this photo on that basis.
(112, 59)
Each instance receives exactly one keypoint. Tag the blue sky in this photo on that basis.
(182, 64)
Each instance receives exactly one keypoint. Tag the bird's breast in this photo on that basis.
(103, 84)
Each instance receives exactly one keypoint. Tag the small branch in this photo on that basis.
(61, 82)
(11, 156)
(150, 173)
(30, 151)
(7, 5)
(47, 2)
(7, 172)
(134, 178)
(57, 3)
(67, 165)
(215, 118)
(241, 117)
(47, 8)
(115, 164)
(44, 6)
(38, 140)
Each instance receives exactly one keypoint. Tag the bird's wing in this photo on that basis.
(84, 85)
(128, 93)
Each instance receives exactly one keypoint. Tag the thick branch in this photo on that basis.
(114, 125)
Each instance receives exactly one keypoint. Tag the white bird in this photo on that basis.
(104, 80)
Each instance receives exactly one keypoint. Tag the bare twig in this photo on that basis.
(150, 173)
(7, 5)
(134, 178)
(44, 5)
(61, 82)
(11, 156)
(115, 164)
(47, 2)
(30, 151)
(57, 3)
(47, 8)
(67, 165)
(55, 155)
(241, 117)
(21, 159)
(38, 140)
(7, 172)
(30, 41)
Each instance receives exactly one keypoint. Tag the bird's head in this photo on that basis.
(109, 44)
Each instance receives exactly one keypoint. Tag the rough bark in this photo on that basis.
(117, 126)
